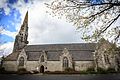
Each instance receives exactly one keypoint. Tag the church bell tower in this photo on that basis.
(21, 37)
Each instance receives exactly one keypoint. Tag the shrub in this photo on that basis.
(111, 70)
(22, 71)
(2, 69)
(101, 70)
(62, 72)
(83, 72)
(69, 70)
(90, 70)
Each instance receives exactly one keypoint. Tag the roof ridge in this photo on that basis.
(60, 44)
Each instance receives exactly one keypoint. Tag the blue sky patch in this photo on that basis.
(9, 21)
(12, 1)
(15, 1)
(26, 1)
(4, 38)
(96, 1)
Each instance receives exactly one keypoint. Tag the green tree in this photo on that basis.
(95, 19)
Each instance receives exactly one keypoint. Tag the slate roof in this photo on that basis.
(54, 55)
(82, 55)
(12, 56)
(73, 46)
(33, 56)
(78, 51)
(76, 55)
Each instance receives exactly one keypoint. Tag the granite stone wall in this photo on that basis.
(10, 65)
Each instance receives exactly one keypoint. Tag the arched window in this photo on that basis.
(65, 62)
(42, 58)
(21, 61)
(117, 62)
(106, 59)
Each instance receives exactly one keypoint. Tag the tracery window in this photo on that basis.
(117, 62)
(106, 59)
(65, 62)
(42, 58)
(21, 61)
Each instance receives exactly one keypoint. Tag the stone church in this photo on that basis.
(48, 57)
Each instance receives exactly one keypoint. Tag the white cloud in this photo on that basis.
(6, 48)
(3, 4)
(46, 29)
(8, 33)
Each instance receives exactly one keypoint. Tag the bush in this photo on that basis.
(83, 72)
(62, 72)
(111, 70)
(101, 70)
(90, 70)
(2, 69)
(69, 70)
(22, 71)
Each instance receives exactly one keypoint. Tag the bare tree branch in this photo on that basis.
(109, 25)
(92, 18)
(101, 11)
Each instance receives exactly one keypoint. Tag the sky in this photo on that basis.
(43, 28)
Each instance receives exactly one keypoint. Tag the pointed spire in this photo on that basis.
(25, 23)
(21, 37)
(26, 17)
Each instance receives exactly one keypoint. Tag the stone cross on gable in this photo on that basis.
(43, 51)
(65, 51)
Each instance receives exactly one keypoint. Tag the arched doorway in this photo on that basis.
(42, 69)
